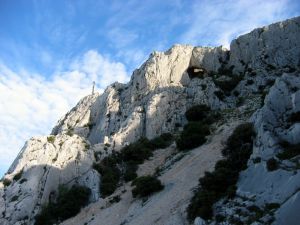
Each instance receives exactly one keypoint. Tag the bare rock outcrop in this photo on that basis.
(265, 62)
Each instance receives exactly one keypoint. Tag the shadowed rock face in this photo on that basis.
(45, 163)
(267, 60)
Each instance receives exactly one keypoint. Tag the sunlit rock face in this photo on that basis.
(266, 65)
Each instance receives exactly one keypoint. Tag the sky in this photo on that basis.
(51, 50)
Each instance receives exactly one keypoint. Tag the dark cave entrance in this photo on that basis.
(196, 72)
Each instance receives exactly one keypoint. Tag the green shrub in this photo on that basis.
(202, 113)
(222, 181)
(51, 139)
(70, 132)
(242, 135)
(270, 82)
(256, 160)
(145, 186)
(201, 204)
(272, 164)
(290, 151)
(219, 218)
(197, 113)
(46, 216)
(124, 165)
(193, 135)
(272, 205)
(228, 85)
(68, 204)
(18, 175)
(294, 117)
(249, 82)
(263, 96)
(138, 151)
(115, 199)
(110, 174)
(220, 95)
(240, 101)
(135, 153)
(87, 146)
(231, 191)
(14, 198)
(23, 180)
(253, 208)
(224, 70)
(130, 171)
(236, 93)
(219, 180)
(90, 125)
(6, 182)
(239, 146)
(195, 132)
(162, 141)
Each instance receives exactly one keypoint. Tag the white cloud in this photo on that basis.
(132, 56)
(218, 22)
(30, 104)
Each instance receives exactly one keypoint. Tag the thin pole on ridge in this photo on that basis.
(93, 90)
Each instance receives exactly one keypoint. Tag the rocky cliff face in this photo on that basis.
(257, 80)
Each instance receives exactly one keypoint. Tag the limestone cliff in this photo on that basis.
(261, 71)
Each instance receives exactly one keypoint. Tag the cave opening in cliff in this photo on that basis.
(196, 72)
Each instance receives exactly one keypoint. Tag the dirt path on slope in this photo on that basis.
(168, 206)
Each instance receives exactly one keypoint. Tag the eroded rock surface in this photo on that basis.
(265, 62)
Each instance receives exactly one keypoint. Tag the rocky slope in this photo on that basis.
(257, 80)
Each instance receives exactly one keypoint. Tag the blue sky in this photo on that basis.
(51, 51)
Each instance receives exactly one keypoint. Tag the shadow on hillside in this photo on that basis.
(38, 185)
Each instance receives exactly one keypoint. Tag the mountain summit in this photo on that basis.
(134, 154)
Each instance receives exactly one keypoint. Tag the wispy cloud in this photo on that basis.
(30, 104)
(52, 67)
(135, 29)
(218, 22)
(121, 37)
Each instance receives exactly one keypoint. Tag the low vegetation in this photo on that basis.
(272, 164)
(197, 113)
(290, 151)
(256, 160)
(263, 97)
(110, 174)
(221, 182)
(14, 198)
(229, 84)
(70, 132)
(115, 199)
(250, 82)
(122, 166)
(145, 186)
(18, 175)
(195, 132)
(272, 205)
(23, 180)
(51, 139)
(294, 117)
(220, 94)
(6, 182)
(193, 135)
(240, 101)
(68, 204)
